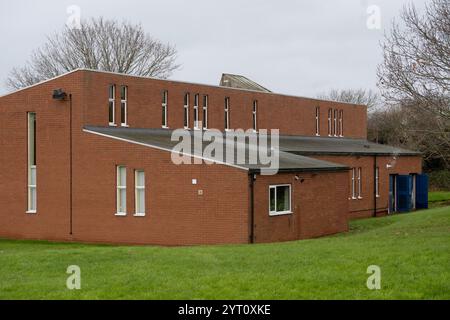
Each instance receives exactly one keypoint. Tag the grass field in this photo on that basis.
(412, 250)
(439, 196)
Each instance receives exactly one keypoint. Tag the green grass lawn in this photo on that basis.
(413, 251)
(439, 196)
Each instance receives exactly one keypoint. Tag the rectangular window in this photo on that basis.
(123, 106)
(227, 113)
(121, 190)
(341, 123)
(279, 199)
(32, 194)
(318, 121)
(205, 112)
(377, 181)
(112, 105)
(164, 109)
(335, 122)
(330, 126)
(359, 183)
(353, 183)
(186, 111)
(196, 103)
(254, 115)
(139, 181)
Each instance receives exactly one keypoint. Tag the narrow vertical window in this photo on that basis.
(164, 109)
(139, 181)
(123, 106)
(254, 115)
(353, 183)
(205, 112)
(341, 123)
(227, 113)
(121, 190)
(359, 183)
(330, 126)
(112, 105)
(196, 103)
(335, 122)
(317, 121)
(186, 111)
(377, 181)
(32, 194)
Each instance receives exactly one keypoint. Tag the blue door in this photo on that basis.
(404, 192)
(422, 191)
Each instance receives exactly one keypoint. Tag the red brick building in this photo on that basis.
(92, 162)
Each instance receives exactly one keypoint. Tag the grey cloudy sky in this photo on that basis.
(293, 47)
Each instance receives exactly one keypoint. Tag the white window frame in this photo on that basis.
(196, 114)
(137, 188)
(125, 103)
(31, 207)
(330, 122)
(279, 213)
(164, 108)
(186, 111)
(119, 188)
(205, 111)
(317, 121)
(354, 183)
(377, 182)
(360, 183)
(255, 116)
(227, 114)
(341, 123)
(113, 101)
(335, 122)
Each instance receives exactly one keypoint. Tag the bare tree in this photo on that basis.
(358, 96)
(416, 65)
(99, 44)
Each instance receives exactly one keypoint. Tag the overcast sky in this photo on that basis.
(300, 47)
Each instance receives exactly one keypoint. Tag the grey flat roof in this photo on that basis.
(161, 139)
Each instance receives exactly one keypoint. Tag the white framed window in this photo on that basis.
(280, 199)
(205, 112)
(112, 105)
(121, 191)
(186, 111)
(359, 183)
(165, 96)
(317, 121)
(124, 106)
(255, 116)
(32, 191)
(139, 182)
(196, 103)
(377, 181)
(330, 123)
(335, 122)
(341, 123)
(227, 113)
(353, 183)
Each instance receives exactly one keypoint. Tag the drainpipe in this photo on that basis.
(375, 186)
(70, 165)
(252, 178)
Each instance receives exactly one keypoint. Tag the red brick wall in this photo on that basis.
(292, 115)
(319, 204)
(362, 208)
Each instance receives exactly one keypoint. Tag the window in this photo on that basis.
(186, 111)
(279, 199)
(353, 183)
(196, 102)
(123, 106)
(341, 123)
(164, 109)
(205, 112)
(121, 190)
(359, 183)
(317, 121)
(330, 126)
(139, 181)
(32, 194)
(112, 105)
(377, 181)
(227, 113)
(335, 121)
(254, 115)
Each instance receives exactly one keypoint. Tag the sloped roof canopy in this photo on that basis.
(240, 82)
